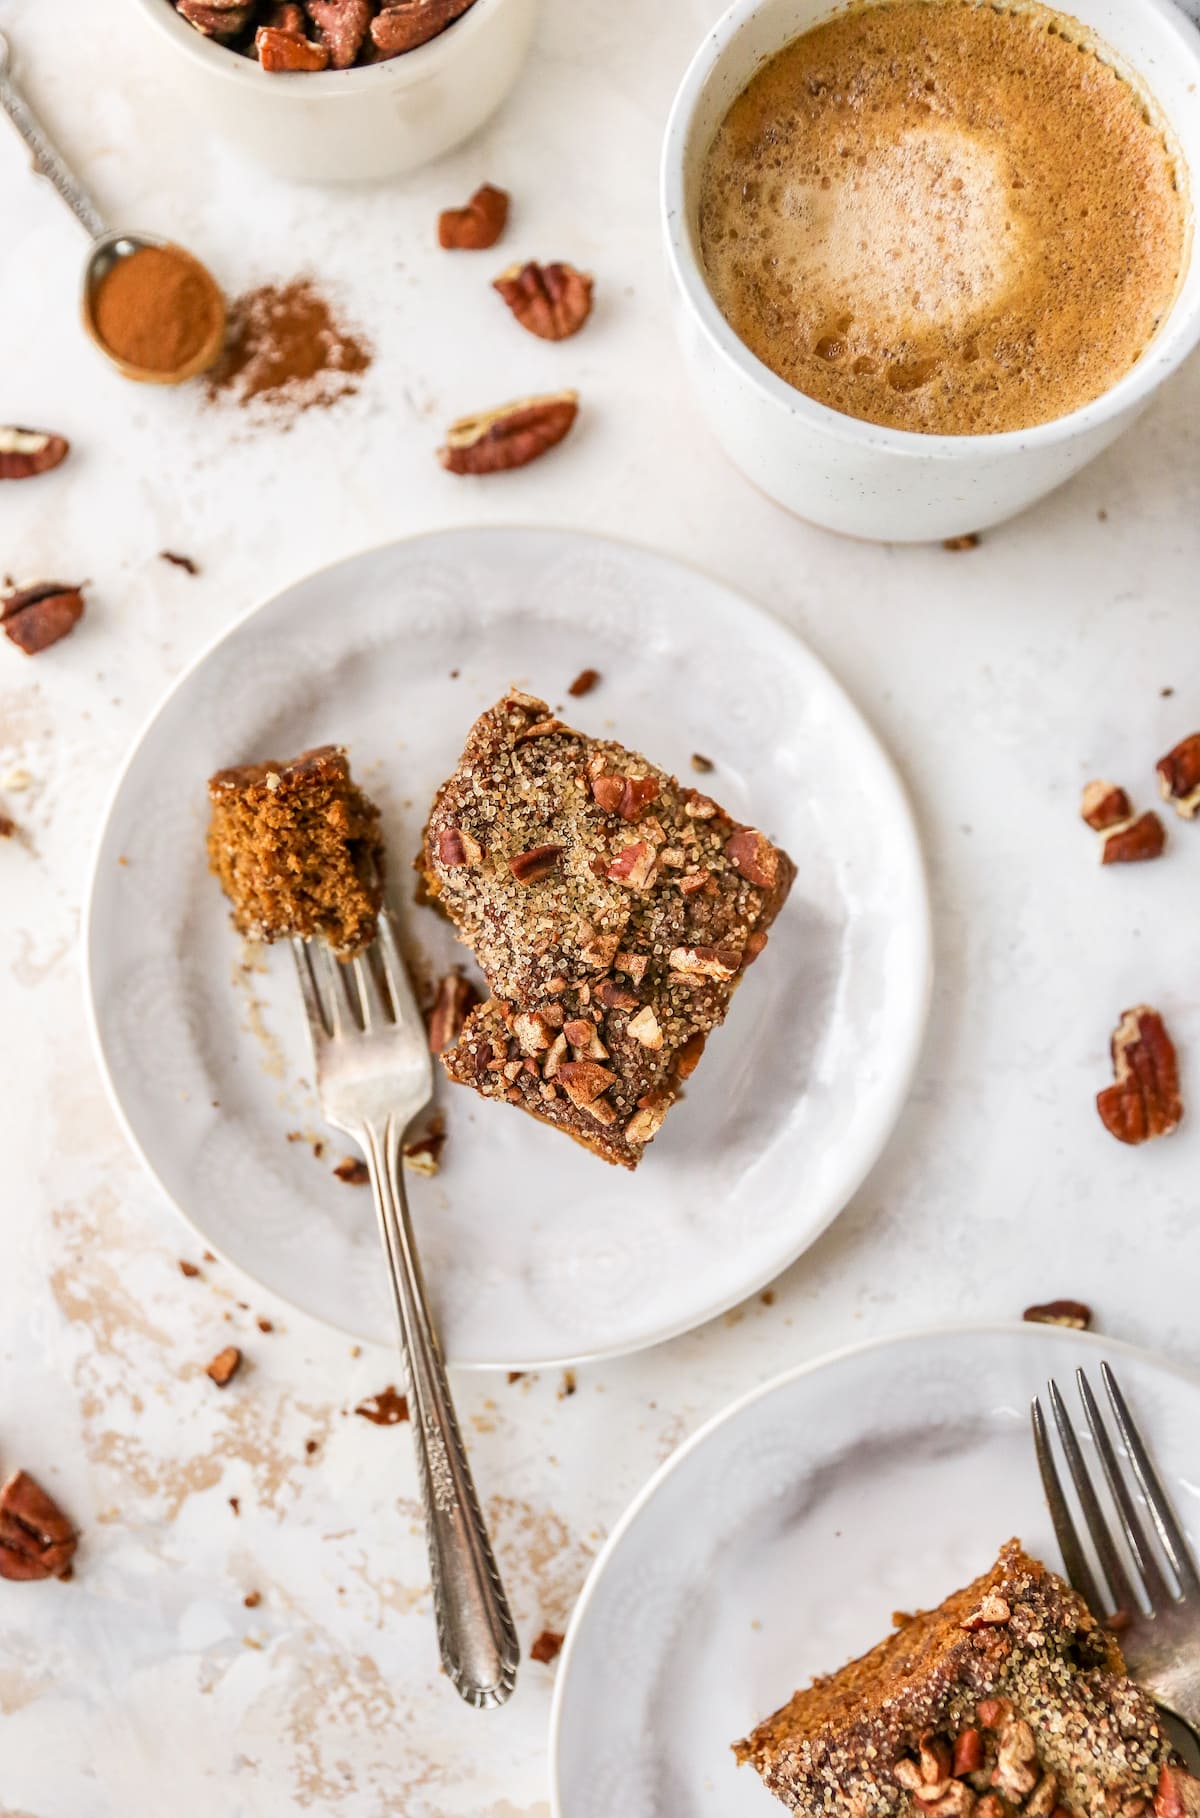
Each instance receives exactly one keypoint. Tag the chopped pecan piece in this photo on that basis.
(478, 225)
(1073, 1313)
(456, 998)
(633, 865)
(456, 847)
(547, 1647)
(584, 1080)
(644, 1028)
(424, 1153)
(1130, 842)
(752, 853)
(530, 867)
(614, 996)
(551, 301)
(1177, 1794)
(1144, 1100)
(387, 1409)
(688, 1057)
(993, 1611)
(704, 962)
(633, 965)
(1179, 777)
(968, 1753)
(701, 763)
(404, 24)
(1104, 805)
(510, 436)
(584, 682)
(534, 1034)
(1016, 1772)
(26, 452)
(279, 53)
(224, 1366)
(624, 795)
(36, 617)
(36, 1539)
(342, 25)
(647, 1119)
(353, 1171)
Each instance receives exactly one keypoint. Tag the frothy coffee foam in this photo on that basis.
(943, 217)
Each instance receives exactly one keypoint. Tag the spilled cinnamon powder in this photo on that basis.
(287, 353)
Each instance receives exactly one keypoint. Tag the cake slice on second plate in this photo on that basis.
(1008, 1698)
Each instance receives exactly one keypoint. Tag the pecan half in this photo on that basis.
(530, 867)
(752, 853)
(36, 617)
(26, 452)
(478, 225)
(279, 53)
(551, 301)
(1130, 842)
(403, 25)
(224, 1366)
(1179, 776)
(1104, 805)
(584, 682)
(342, 25)
(456, 998)
(36, 1539)
(215, 20)
(1073, 1313)
(1144, 1101)
(510, 436)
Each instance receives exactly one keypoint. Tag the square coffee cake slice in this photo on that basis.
(297, 849)
(1009, 1698)
(613, 912)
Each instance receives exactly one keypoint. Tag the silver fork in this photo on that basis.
(1158, 1629)
(374, 1075)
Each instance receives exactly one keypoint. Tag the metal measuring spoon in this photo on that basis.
(108, 247)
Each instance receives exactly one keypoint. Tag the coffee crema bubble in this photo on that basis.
(944, 216)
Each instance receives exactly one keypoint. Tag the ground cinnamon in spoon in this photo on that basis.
(156, 309)
(286, 353)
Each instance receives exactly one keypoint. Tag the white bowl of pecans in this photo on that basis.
(342, 90)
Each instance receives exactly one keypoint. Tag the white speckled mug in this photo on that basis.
(856, 477)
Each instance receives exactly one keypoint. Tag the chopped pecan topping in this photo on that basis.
(933, 1757)
(1179, 776)
(556, 1054)
(993, 1611)
(1104, 805)
(456, 998)
(551, 301)
(534, 1034)
(614, 996)
(36, 617)
(633, 965)
(530, 867)
(1177, 1794)
(699, 807)
(456, 848)
(688, 1057)
(1044, 1797)
(633, 865)
(647, 1119)
(404, 24)
(224, 1366)
(752, 853)
(1071, 1313)
(600, 950)
(26, 452)
(968, 1753)
(1144, 1100)
(280, 53)
(478, 225)
(36, 1539)
(584, 682)
(1016, 1772)
(644, 1028)
(704, 962)
(511, 436)
(352, 1170)
(424, 1153)
(584, 1080)
(624, 795)
(1130, 842)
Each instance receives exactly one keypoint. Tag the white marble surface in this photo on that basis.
(1000, 678)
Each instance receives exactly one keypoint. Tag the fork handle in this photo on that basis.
(478, 1641)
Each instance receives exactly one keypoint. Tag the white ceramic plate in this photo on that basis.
(776, 1543)
(535, 1252)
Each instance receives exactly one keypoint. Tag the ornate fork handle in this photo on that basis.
(478, 1642)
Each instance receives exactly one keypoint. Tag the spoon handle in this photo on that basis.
(47, 160)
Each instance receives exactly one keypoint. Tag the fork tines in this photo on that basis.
(1127, 1594)
(342, 997)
